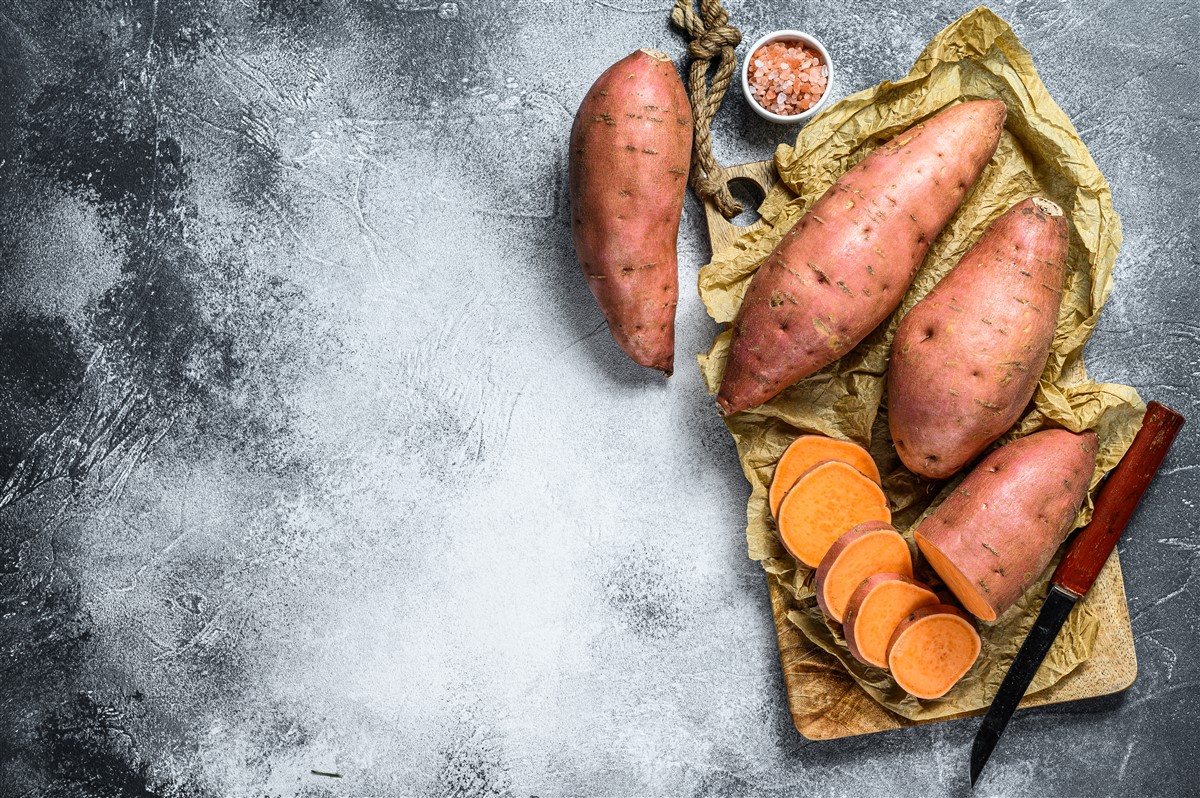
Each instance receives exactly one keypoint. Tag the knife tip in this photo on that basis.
(981, 752)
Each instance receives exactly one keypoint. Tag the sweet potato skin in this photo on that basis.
(1002, 524)
(631, 146)
(847, 263)
(967, 358)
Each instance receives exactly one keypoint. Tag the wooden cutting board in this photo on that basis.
(826, 703)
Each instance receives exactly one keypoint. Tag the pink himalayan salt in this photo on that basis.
(787, 78)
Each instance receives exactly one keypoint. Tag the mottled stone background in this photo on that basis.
(317, 456)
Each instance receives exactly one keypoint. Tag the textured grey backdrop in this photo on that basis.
(318, 457)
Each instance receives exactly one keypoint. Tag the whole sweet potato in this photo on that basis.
(995, 534)
(631, 148)
(847, 263)
(966, 360)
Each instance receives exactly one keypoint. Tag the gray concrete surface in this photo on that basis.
(318, 457)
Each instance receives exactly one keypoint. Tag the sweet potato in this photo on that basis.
(845, 266)
(631, 148)
(996, 532)
(830, 499)
(876, 608)
(967, 358)
(808, 450)
(932, 649)
(866, 550)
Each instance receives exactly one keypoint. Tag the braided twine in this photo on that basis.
(711, 37)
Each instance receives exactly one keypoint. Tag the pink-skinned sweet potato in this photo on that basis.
(846, 264)
(631, 148)
(996, 532)
(967, 358)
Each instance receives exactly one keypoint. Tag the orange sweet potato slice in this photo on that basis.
(830, 499)
(932, 649)
(878, 605)
(808, 450)
(867, 549)
(964, 589)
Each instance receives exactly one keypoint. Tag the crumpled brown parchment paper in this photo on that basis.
(1039, 154)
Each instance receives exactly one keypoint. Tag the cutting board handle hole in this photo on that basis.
(750, 193)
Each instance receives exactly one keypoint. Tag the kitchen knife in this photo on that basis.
(1085, 556)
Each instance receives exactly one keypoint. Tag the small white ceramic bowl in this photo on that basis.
(791, 36)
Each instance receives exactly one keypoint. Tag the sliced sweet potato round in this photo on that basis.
(808, 450)
(932, 649)
(830, 499)
(867, 549)
(876, 607)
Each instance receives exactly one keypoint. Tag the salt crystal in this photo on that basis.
(787, 77)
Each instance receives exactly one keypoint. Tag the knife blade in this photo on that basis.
(1078, 569)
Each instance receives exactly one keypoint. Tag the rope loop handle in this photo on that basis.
(711, 38)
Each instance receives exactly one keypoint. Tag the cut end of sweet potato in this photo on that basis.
(932, 649)
(970, 594)
(808, 450)
(830, 499)
(876, 607)
(661, 56)
(1046, 206)
(867, 549)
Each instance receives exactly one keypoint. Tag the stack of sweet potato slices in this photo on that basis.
(832, 515)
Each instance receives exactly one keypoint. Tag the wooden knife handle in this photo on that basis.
(1119, 497)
